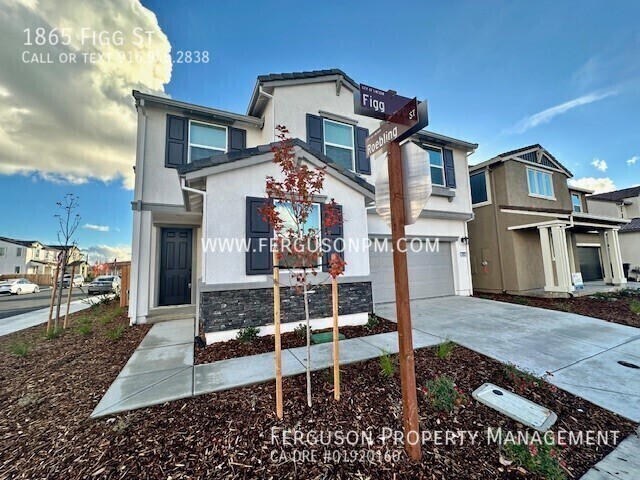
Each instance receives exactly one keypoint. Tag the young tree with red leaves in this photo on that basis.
(292, 203)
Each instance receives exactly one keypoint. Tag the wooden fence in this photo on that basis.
(40, 278)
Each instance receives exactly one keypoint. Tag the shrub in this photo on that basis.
(521, 301)
(442, 394)
(53, 333)
(629, 292)
(444, 349)
(115, 333)
(540, 458)
(20, 349)
(84, 326)
(301, 330)
(388, 365)
(248, 334)
(635, 306)
(372, 321)
(604, 296)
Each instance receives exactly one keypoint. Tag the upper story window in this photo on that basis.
(18, 252)
(540, 183)
(479, 191)
(310, 227)
(3, 251)
(206, 140)
(338, 143)
(577, 203)
(437, 165)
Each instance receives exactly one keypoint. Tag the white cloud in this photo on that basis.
(598, 185)
(600, 164)
(97, 228)
(633, 160)
(547, 115)
(70, 122)
(107, 253)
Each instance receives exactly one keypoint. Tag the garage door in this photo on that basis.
(590, 266)
(430, 273)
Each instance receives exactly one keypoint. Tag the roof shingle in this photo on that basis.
(617, 195)
(634, 226)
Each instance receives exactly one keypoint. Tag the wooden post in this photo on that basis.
(66, 315)
(276, 321)
(336, 334)
(403, 307)
(53, 296)
(124, 286)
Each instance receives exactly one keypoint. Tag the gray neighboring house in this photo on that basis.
(624, 203)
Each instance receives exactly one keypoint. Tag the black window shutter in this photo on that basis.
(259, 259)
(449, 168)
(363, 163)
(176, 148)
(237, 140)
(315, 133)
(333, 235)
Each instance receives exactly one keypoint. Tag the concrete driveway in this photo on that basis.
(579, 354)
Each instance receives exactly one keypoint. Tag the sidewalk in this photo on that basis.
(37, 317)
(161, 369)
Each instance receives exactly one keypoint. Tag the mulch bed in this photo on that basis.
(235, 348)
(616, 310)
(45, 430)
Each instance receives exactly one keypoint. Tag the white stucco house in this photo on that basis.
(200, 176)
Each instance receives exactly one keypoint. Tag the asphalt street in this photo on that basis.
(16, 304)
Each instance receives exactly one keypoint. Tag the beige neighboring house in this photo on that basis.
(531, 231)
(623, 203)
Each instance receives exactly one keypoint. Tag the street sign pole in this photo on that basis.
(403, 308)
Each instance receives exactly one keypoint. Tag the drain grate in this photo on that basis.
(627, 364)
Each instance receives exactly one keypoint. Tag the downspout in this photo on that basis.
(273, 109)
(183, 186)
(494, 200)
(139, 165)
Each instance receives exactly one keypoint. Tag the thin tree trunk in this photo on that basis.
(306, 313)
(276, 321)
(56, 324)
(336, 337)
(54, 291)
(66, 315)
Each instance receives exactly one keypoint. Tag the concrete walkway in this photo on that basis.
(161, 369)
(578, 354)
(622, 464)
(38, 317)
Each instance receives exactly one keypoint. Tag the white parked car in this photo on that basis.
(78, 280)
(18, 286)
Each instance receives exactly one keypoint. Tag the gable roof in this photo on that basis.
(633, 226)
(535, 154)
(308, 74)
(232, 157)
(24, 243)
(617, 195)
(273, 79)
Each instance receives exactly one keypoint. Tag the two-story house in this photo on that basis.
(200, 177)
(31, 257)
(623, 203)
(531, 231)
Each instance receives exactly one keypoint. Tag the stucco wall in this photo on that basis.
(607, 209)
(630, 248)
(528, 259)
(518, 188)
(229, 191)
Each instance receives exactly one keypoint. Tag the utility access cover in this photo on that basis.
(516, 407)
(416, 177)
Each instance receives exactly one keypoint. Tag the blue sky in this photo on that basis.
(503, 74)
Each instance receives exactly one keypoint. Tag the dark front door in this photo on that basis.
(590, 263)
(175, 266)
